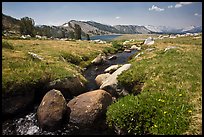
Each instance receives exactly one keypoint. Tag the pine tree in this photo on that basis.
(77, 30)
(87, 37)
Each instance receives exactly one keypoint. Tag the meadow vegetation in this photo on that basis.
(166, 91)
(60, 60)
(165, 86)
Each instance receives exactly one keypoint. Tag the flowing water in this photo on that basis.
(27, 124)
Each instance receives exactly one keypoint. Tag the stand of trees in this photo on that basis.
(87, 37)
(27, 26)
(77, 30)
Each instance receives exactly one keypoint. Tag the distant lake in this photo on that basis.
(103, 37)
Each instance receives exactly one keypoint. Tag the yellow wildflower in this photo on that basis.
(155, 125)
(189, 111)
(165, 112)
(180, 95)
(161, 100)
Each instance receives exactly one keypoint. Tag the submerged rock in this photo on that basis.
(112, 68)
(127, 50)
(88, 107)
(112, 57)
(52, 110)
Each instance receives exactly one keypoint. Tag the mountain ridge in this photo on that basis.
(96, 28)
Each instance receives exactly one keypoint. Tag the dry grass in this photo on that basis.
(53, 46)
(136, 36)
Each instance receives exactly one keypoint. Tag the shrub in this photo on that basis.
(150, 113)
(109, 50)
(85, 57)
(117, 46)
(7, 45)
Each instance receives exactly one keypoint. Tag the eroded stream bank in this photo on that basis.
(27, 124)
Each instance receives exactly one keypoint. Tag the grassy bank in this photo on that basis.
(166, 89)
(60, 59)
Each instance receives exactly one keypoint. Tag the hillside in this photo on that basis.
(132, 29)
(10, 24)
(94, 28)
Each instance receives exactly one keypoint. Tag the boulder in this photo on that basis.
(111, 69)
(127, 50)
(170, 47)
(68, 86)
(149, 41)
(99, 59)
(111, 83)
(52, 110)
(112, 57)
(38, 36)
(23, 37)
(101, 78)
(172, 37)
(134, 47)
(124, 43)
(88, 107)
(35, 56)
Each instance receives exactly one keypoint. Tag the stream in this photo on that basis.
(27, 124)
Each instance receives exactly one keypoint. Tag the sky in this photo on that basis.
(171, 14)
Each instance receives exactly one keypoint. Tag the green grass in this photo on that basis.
(150, 113)
(74, 59)
(170, 84)
(7, 45)
(19, 70)
(182, 40)
(22, 72)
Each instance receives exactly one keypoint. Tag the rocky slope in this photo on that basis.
(94, 28)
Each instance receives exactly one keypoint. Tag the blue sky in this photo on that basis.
(172, 14)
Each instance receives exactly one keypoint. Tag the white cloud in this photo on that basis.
(185, 3)
(117, 17)
(180, 4)
(170, 6)
(196, 14)
(156, 8)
